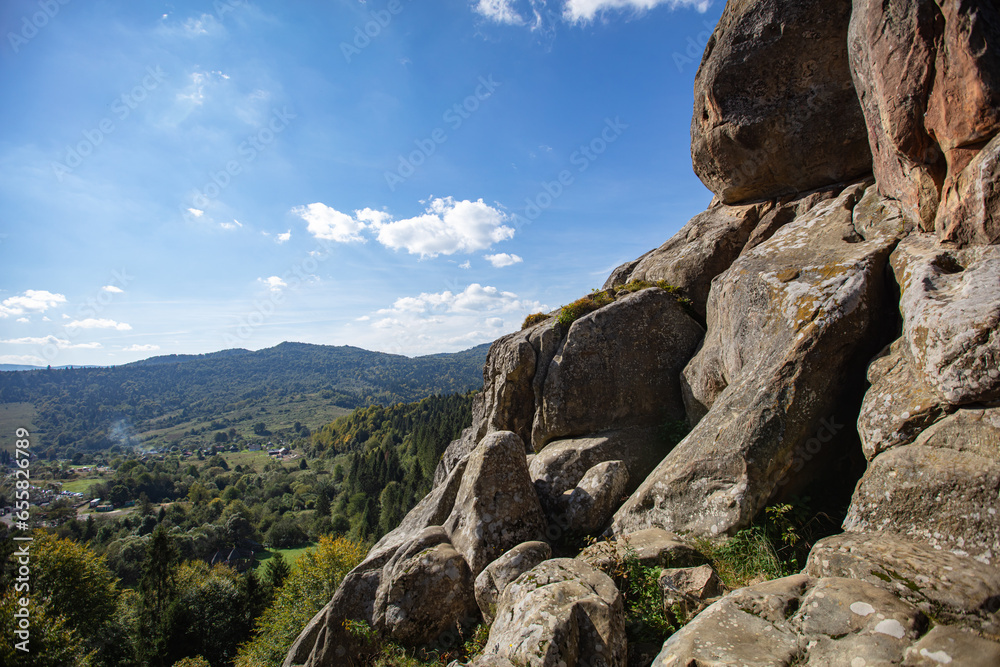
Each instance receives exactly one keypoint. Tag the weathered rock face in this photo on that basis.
(589, 506)
(562, 612)
(688, 590)
(652, 547)
(899, 404)
(701, 250)
(491, 582)
(951, 311)
(496, 507)
(426, 589)
(930, 89)
(951, 588)
(788, 324)
(799, 620)
(942, 489)
(775, 111)
(618, 367)
(561, 464)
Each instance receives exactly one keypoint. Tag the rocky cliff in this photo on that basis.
(838, 332)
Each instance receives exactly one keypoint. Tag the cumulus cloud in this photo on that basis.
(196, 212)
(329, 224)
(235, 224)
(282, 238)
(91, 323)
(142, 348)
(32, 301)
(23, 320)
(446, 227)
(112, 289)
(273, 283)
(502, 259)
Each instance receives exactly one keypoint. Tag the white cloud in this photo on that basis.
(330, 224)
(465, 265)
(142, 348)
(274, 283)
(60, 343)
(91, 323)
(586, 10)
(372, 217)
(474, 298)
(501, 11)
(196, 212)
(112, 289)
(494, 322)
(194, 93)
(502, 259)
(235, 224)
(446, 228)
(32, 301)
(282, 238)
(23, 320)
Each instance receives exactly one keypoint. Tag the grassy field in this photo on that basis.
(12, 417)
(291, 554)
(82, 484)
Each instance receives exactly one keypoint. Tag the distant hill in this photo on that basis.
(96, 408)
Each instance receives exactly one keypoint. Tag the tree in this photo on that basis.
(260, 428)
(156, 588)
(277, 570)
(322, 504)
(221, 436)
(310, 586)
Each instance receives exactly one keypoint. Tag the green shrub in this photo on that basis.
(533, 319)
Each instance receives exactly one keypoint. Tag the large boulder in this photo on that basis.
(426, 590)
(618, 367)
(942, 489)
(561, 464)
(496, 507)
(929, 84)
(651, 547)
(775, 111)
(491, 582)
(587, 509)
(561, 613)
(798, 620)
(791, 326)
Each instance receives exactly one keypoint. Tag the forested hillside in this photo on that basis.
(161, 399)
(343, 487)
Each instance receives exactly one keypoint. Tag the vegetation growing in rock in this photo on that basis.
(600, 298)
(533, 319)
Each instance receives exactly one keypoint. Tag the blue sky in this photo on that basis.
(403, 176)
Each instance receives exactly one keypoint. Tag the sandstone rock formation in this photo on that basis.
(929, 83)
(842, 338)
(788, 323)
(560, 612)
(756, 133)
